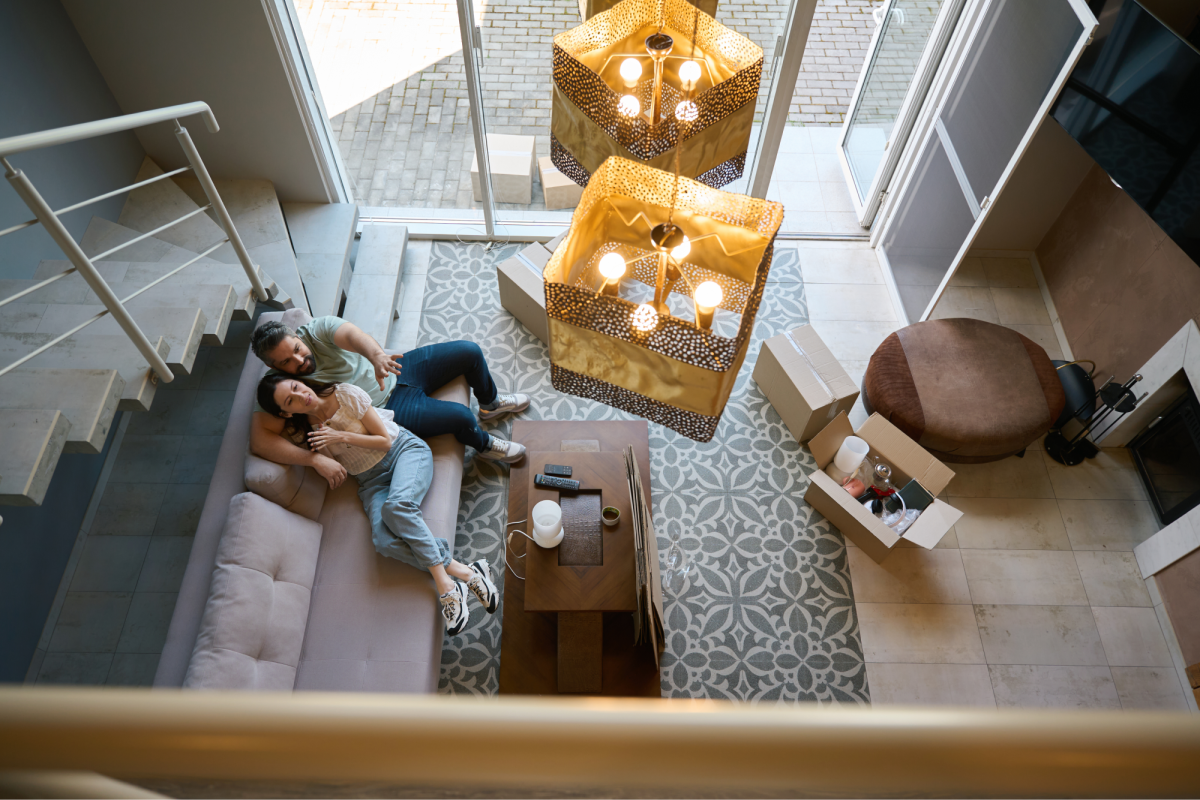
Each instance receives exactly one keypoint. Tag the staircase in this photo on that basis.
(64, 399)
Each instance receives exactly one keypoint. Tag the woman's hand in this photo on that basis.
(325, 436)
(330, 470)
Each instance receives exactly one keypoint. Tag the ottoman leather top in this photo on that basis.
(963, 389)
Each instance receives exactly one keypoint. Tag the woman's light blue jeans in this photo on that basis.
(391, 492)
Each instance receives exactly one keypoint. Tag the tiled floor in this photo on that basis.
(1034, 599)
(109, 625)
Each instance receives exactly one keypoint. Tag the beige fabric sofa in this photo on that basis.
(370, 624)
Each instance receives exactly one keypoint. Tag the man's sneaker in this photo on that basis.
(480, 584)
(505, 404)
(454, 609)
(500, 450)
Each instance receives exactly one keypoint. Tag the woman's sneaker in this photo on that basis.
(480, 584)
(500, 450)
(504, 404)
(454, 609)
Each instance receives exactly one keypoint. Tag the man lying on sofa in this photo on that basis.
(332, 350)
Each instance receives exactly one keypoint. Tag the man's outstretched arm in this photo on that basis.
(349, 336)
(267, 441)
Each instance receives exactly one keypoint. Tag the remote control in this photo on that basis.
(557, 470)
(564, 484)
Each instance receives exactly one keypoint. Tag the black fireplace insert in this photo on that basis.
(1167, 455)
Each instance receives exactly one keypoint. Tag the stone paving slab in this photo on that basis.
(392, 75)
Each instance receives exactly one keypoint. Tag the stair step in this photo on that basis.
(375, 285)
(322, 235)
(33, 441)
(82, 351)
(139, 274)
(181, 326)
(88, 398)
(155, 205)
(218, 301)
(258, 218)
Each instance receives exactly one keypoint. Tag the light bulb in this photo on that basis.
(681, 252)
(631, 70)
(629, 106)
(612, 266)
(709, 295)
(644, 318)
(689, 73)
(686, 111)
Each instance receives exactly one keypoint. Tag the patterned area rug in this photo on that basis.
(766, 612)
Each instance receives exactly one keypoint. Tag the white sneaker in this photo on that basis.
(506, 404)
(503, 450)
(482, 587)
(454, 609)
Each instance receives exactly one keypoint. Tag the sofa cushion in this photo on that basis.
(253, 626)
(300, 490)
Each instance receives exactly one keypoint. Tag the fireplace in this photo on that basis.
(1167, 455)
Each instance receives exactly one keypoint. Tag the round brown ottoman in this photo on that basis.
(967, 391)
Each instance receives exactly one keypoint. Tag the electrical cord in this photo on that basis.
(508, 544)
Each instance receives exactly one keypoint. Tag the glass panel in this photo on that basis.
(901, 43)
(929, 229)
(1132, 103)
(397, 98)
(1021, 49)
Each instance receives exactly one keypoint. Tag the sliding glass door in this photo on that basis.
(1017, 60)
(904, 54)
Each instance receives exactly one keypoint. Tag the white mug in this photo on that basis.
(547, 523)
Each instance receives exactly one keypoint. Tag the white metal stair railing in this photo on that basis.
(82, 263)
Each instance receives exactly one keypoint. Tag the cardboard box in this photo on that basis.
(512, 162)
(522, 290)
(553, 244)
(908, 461)
(804, 382)
(559, 190)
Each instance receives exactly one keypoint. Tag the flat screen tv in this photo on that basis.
(1133, 103)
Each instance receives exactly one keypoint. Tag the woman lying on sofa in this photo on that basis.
(394, 469)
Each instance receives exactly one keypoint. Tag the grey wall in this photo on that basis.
(157, 53)
(51, 81)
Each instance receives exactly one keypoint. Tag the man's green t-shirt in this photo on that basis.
(335, 365)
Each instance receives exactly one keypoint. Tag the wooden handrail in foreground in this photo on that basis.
(565, 744)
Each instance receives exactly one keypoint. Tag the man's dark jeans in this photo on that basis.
(426, 370)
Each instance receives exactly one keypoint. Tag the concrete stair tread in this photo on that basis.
(82, 351)
(150, 207)
(219, 301)
(181, 326)
(375, 284)
(322, 235)
(203, 271)
(33, 441)
(88, 398)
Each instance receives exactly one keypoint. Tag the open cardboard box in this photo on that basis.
(908, 461)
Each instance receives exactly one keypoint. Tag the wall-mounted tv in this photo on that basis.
(1133, 103)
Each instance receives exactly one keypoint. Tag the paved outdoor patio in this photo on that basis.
(391, 75)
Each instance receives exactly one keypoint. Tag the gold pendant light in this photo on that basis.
(590, 8)
(622, 88)
(677, 237)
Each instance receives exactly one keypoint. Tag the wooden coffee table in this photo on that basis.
(568, 627)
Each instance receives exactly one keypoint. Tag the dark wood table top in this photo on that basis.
(528, 652)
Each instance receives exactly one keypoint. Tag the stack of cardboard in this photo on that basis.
(804, 382)
(522, 290)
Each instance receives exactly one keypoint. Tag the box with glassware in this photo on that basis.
(522, 290)
(877, 486)
(804, 382)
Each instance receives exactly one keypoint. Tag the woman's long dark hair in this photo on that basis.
(297, 425)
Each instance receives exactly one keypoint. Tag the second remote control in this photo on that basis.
(557, 470)
(556, 483)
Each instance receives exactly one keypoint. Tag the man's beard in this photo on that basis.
(308, 367)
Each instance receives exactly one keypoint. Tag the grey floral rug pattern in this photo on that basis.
(766, 613)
